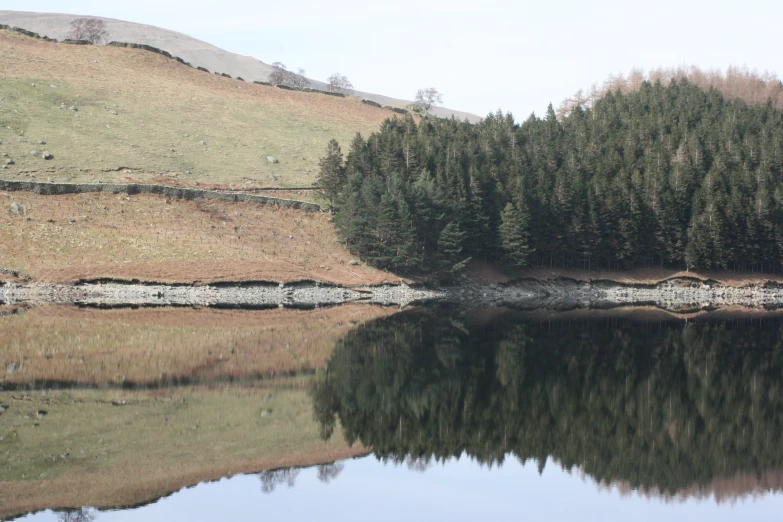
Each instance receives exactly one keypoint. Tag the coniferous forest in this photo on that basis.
(668, 175)
(659, 404)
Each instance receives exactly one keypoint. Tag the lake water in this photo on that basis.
(365, 414)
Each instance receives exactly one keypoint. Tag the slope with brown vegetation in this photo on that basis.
(154, 347)
(145, 237)
(106, 112)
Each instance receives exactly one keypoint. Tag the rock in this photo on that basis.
(353, 262)
(9, 161)
(16, 208)
(272, 159)
(34, 153)
(71, 221)
(53, 86)
(11, 368)
(46, 155)
(41, 142)
(42, 413)
(72, 108)
(3, 408)
(266, 413)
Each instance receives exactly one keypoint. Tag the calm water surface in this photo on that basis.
(496, 415)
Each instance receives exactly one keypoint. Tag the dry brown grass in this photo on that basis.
(142, 237)
(155, 346)
(164, 111)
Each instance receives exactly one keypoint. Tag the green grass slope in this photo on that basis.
(141, 115)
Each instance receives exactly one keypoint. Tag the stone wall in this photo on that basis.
(52, 189)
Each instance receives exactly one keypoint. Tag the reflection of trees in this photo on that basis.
(329, 472)
(655, 404)
(77, 515)
(276, 477)
(420, 464)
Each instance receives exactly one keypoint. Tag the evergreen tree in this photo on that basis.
(331, 176)
(664, 175)
(514, 234)
(450, 249)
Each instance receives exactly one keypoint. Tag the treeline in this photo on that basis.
(735, 83)
(661, 405)
(669, 175)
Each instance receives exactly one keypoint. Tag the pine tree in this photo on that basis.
(331, 176)
(514, 235)
(450, 249)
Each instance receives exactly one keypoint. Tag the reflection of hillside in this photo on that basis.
(664, 406)
(154, 347)
(111, 447)
(117, 448)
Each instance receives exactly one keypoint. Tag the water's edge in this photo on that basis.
(678, 294)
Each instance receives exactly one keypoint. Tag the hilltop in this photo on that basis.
(197, 52)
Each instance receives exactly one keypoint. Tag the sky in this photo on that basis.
(517, 56)
(459, 490)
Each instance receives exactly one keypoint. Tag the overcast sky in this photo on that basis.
(483, 55)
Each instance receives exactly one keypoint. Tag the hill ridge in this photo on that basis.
(190, 49)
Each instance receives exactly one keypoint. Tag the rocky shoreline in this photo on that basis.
(678, 294)
(239, 295)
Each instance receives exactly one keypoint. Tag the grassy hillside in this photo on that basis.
(197, 52)
(140, 115)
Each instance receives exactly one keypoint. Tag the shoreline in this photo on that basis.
(678, 294)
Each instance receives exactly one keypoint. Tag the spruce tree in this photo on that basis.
(514, 235)
(331, 176)
(450, 242)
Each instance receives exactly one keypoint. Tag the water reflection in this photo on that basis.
(658, 404)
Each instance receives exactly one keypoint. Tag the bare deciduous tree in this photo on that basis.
(76, 515)
(298, 79)
(737, 82)
(339, 83)
(428, 98)
(282, 76)
(89, 29)
(279, 73)
(329, 472)
(273, 478)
